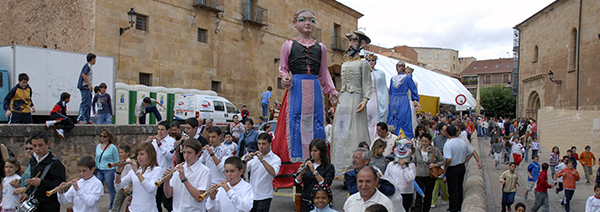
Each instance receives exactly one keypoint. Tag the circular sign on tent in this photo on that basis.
(461, 99)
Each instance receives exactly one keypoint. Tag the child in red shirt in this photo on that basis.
(541, 190)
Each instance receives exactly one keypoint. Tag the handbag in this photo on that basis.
(32, 203)
(435, 171)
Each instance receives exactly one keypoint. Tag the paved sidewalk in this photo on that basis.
(582, 191)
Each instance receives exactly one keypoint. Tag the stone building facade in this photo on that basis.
(563, 38)
(232, 47)
(439, 58)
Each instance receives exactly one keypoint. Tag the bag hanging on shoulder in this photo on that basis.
(435, 171)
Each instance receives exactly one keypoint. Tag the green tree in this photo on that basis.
(497, 100)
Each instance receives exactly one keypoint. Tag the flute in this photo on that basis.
(295, 175)
(162, 179)
(54, 190)
(111, 165)
(207, 192)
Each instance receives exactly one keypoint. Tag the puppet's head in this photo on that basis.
(357, 41)
(403, 149)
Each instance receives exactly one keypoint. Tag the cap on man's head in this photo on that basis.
(360, 34)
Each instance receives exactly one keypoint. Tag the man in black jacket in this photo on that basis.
(41, 158)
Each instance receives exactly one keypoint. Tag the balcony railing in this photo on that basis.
(316, 34)
(339, 43)
(254, 14)
(469, 82)
(212, 5)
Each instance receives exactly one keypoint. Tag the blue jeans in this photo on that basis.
(107, 177)
(85, 106)
(104, 118)
(507, 200)
(265, 108)
(150, 109)
(526, 155)
(479, 130)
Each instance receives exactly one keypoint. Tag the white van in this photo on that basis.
(217, 108)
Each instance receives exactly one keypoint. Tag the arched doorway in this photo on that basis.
(533, 105)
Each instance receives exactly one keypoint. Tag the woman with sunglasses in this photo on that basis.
(304, 73)
(106, 152)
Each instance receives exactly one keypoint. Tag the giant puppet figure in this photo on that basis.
(304, 73)
(401, 114)
(378, 104)
(350, 121)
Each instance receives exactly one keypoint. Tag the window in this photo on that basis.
(574, 57)
(475, 67)
(201, 35)
(215, 86)
(507, 66)
(141, 22)
(437, 56)
(429, 56)
(445, 66)
(230, 107)
(279, 86)
(453, 58)
(437, 66)
(453, 67)
(219, 106)
(337, 39)
(445, 57)
(1, 80)
(422, 56)
(497, 66)
(505, 78)
(145, 79)
(487, 79)
(535, 53)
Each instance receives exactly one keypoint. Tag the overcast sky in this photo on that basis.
(478, 28)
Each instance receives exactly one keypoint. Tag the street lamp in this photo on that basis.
(551, 77)
(132, 15)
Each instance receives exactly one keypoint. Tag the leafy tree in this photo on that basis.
(497, 100)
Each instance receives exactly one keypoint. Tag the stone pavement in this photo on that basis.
(494, 188)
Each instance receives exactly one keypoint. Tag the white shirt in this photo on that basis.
(86, 199)
(517, 148)
(37, 157)
(592, 204)
(9, 201)
(390, 140)
(402, 177)
(261, 180)
(199, 177)
(328, 132)
(239, 198)
(355, 203)
(164, 157)
(457, 150)
(144, 193)
(217, 171)
(559, 168)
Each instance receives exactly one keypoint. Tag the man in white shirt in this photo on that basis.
(214, 156)
(456, 152)
(85, 192)
(188, 181)
(264, 168)
(233, 196)
(163, 143)
(368, 194)
(388, 137)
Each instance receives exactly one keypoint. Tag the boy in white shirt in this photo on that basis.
(188, 181)
(84, 192)
(124, 152)
(264, 168)
(234, 195)
(232, 146)
(559, 168)
(517, 150)
(593, 203)
(214, 155)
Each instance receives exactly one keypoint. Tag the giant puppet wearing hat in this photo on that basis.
(350, 121)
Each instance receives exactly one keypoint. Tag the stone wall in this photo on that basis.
(79, 142)
(566, 128)
(474, 186)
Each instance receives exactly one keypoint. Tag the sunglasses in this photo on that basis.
(103, 136)
(28, 148)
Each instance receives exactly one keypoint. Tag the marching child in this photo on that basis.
(510, 181)
(84, 192)
(588, 160)
(322, 198)
(593, 203)
(124, 152)
(189, 180)
(541, 191)
(553, 161)
(533, 172)
(570, 177)
(560, 167)
(59, 117)
(12, 169)
(234, 194)
(535, 147)
(517, 150)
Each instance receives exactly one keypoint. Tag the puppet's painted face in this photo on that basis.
(403, 149)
